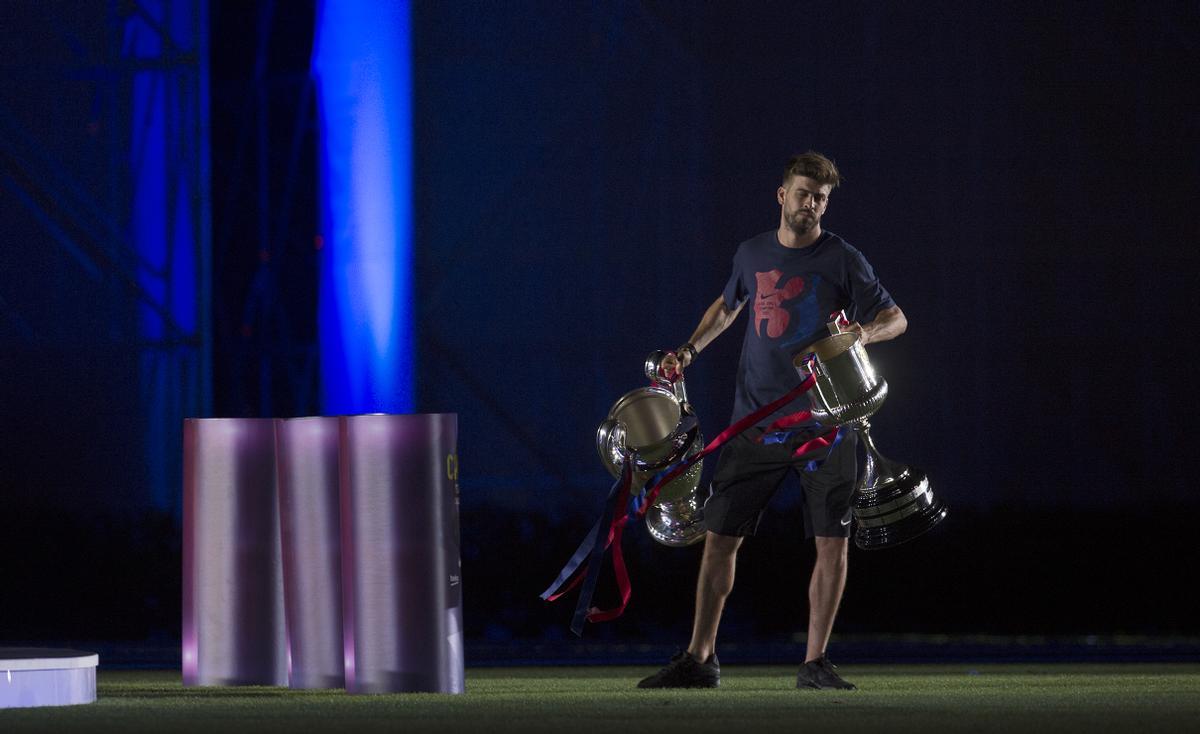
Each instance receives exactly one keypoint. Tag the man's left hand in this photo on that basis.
(889, 323)
(864, 336)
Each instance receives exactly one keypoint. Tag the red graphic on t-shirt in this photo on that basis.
(768, 305)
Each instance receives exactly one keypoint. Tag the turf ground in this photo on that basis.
(1139, 698)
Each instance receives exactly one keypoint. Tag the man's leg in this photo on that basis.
(712, 587)
(824, 592)
(824, 595)
(747, 475)
(698, 666)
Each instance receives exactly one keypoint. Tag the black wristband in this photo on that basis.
(688, 346)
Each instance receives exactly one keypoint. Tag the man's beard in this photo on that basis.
(801, 224)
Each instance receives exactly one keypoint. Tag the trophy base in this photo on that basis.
(897, 511)
(677, 524)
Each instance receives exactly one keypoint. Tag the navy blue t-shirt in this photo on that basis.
(792, 293)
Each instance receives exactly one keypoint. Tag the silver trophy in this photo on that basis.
(893, 503)
(645, 426)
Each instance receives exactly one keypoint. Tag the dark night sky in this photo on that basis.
(1018, 179)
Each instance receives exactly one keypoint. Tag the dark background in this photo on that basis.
(1022, 176)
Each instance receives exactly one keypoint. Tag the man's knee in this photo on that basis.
(832, 551)
(717, 569)
(721, 546)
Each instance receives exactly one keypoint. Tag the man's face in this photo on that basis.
(803, 201)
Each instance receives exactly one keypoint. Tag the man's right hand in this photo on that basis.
(716, 319)
(673, 363)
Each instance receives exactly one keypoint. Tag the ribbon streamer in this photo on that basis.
(591, 541)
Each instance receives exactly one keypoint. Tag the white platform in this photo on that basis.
(39, 676)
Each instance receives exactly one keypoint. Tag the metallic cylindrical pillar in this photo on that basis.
(401, 583)
(233, 624)
(307, 459)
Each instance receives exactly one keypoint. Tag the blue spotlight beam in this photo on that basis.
(363, 70)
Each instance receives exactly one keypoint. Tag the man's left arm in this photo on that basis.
(889, 323)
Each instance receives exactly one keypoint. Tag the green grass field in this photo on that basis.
(1140, 698)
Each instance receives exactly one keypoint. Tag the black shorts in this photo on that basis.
(749, 473)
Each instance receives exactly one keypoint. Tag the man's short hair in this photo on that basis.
(815, 166)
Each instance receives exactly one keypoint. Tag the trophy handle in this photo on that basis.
(838, 320)
(654, 373)
(610, 444)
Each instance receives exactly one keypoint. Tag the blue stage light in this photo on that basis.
(362, 63)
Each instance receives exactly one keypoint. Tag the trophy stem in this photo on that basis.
(878, 470)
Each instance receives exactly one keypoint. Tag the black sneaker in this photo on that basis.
(684, 671)
(821, 673)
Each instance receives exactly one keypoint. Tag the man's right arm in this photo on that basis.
(716, 319)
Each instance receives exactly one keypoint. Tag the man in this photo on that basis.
(794, 277)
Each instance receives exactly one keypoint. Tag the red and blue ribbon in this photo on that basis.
(584, 565)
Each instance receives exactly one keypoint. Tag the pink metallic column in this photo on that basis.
(233, 625)
(401, 584)
(307, 455)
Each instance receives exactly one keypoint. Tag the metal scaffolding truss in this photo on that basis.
(131, 212)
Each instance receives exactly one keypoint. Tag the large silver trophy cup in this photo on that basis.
(893, 503)
(645, 426)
